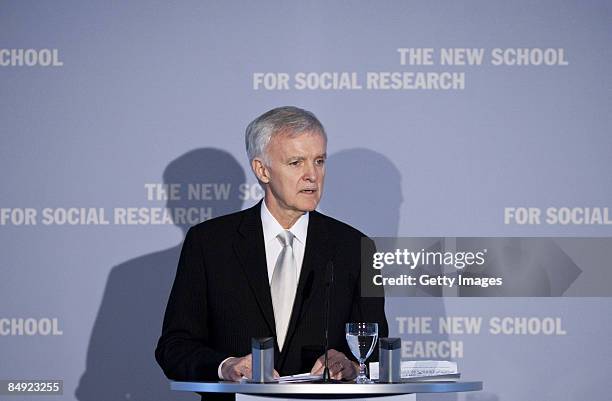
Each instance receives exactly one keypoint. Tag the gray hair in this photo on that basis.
(289, 119)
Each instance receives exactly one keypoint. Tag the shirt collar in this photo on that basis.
(271, 227)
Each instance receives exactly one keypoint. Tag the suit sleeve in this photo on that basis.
(183, 350)
(369, 302)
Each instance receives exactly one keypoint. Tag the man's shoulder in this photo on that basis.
(337, 227)
(228, 223)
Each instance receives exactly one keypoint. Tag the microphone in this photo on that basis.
(329, 281)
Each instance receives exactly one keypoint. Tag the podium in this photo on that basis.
(326, 391)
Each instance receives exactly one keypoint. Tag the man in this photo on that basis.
(262, 272)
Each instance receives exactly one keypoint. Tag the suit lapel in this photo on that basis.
(250, 249)
(317, 253)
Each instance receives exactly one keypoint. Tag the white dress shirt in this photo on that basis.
(271, 228)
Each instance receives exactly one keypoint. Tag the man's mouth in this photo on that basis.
(308, 191)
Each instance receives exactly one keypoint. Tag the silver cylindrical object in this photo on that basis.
(262, 354)
(389, 370)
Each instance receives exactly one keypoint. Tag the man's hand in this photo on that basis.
(235, 369)
(340, 367)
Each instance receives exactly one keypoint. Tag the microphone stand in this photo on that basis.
(326, 375)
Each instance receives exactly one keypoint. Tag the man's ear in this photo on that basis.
(260, 170)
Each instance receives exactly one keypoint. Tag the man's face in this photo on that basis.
(295, 173)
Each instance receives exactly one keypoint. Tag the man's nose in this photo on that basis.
(310, 173)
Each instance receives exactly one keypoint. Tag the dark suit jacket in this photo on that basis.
(220, 298)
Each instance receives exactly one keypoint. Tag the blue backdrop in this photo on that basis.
(103, 102)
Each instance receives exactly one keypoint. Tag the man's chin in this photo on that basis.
(308, 206)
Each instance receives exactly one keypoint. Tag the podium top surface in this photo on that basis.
(326, 388)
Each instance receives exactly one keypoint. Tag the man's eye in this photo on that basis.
(294, 163)
(321, 161)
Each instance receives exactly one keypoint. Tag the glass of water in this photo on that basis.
(361, 338)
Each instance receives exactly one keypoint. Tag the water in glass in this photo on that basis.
(361, 338)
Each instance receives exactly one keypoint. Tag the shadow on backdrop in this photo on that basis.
(120, 359)
(364, 189)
